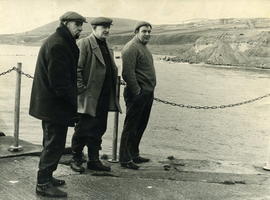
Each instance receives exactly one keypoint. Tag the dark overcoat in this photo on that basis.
(54, 89)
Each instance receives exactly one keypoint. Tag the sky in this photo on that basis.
(24, 15)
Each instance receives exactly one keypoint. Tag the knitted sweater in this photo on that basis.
(138, 67)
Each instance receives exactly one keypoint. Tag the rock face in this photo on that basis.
(218, 53)
(261, 46)
(223, 54)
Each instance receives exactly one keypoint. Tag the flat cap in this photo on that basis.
(101, 21)
(72, 16)
(140, 24)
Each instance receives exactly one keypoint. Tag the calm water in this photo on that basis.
(235, 134)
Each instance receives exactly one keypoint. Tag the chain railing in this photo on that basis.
(211, 107)
(23, 73)
(8, 71)
(17, 70)
(16, 147)
(206, 107)
(164, 101)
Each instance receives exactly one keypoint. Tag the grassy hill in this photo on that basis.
(120, 26)
(216, 41)
(37, 35)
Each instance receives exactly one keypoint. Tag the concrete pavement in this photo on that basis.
(161, 179)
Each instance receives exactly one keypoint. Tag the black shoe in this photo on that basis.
(57, 182)
(130, 165)
(140, 159)
(76, 165)
(97, 166)
(49, 190)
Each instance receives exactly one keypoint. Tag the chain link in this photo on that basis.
(17, 70)
(206, 107)
(122, 82)
(211, 107)
(23, 73)
(8, 71)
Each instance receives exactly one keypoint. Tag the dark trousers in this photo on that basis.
(88, 132)
(137, 116)
(54, 140)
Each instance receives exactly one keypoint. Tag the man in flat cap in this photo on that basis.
(96, 81)
(140, 77)
(54, 97)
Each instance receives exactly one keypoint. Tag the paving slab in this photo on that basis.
(161, 179)
(152, 181)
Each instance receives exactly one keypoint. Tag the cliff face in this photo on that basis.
(229, 42)
(218, 53)
(261, 46)
(230, 49)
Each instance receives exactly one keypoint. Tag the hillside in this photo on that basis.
(120, 26)
(243, 42)
(37, 35)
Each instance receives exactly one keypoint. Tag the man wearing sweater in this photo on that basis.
(139, 74)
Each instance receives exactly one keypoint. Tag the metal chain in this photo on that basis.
(8, 71)
(17, 70)
(207, 107)
(164, 101)
(23, 73)
(122, 82)
(211, 107)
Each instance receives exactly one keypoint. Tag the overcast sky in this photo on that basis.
(24, 15)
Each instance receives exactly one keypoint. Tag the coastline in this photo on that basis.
(158, 57)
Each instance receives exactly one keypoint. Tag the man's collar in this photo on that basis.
(99, 39)
(94, 42)
(137, 40)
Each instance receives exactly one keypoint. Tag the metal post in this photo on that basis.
(16, 147)
(115, 127)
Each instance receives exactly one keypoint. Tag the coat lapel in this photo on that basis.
(96, 49)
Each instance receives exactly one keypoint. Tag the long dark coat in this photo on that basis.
(54, 90)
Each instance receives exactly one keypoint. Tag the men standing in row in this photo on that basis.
(96, 80)
(54, 97)
(139, 74)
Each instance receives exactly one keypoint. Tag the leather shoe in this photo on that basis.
(140, 159)
(49, 190)
(97, 166)
(57, 182)
(76, 165)
(130, 165)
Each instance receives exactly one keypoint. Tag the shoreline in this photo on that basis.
(159, 57)
(216, 66)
